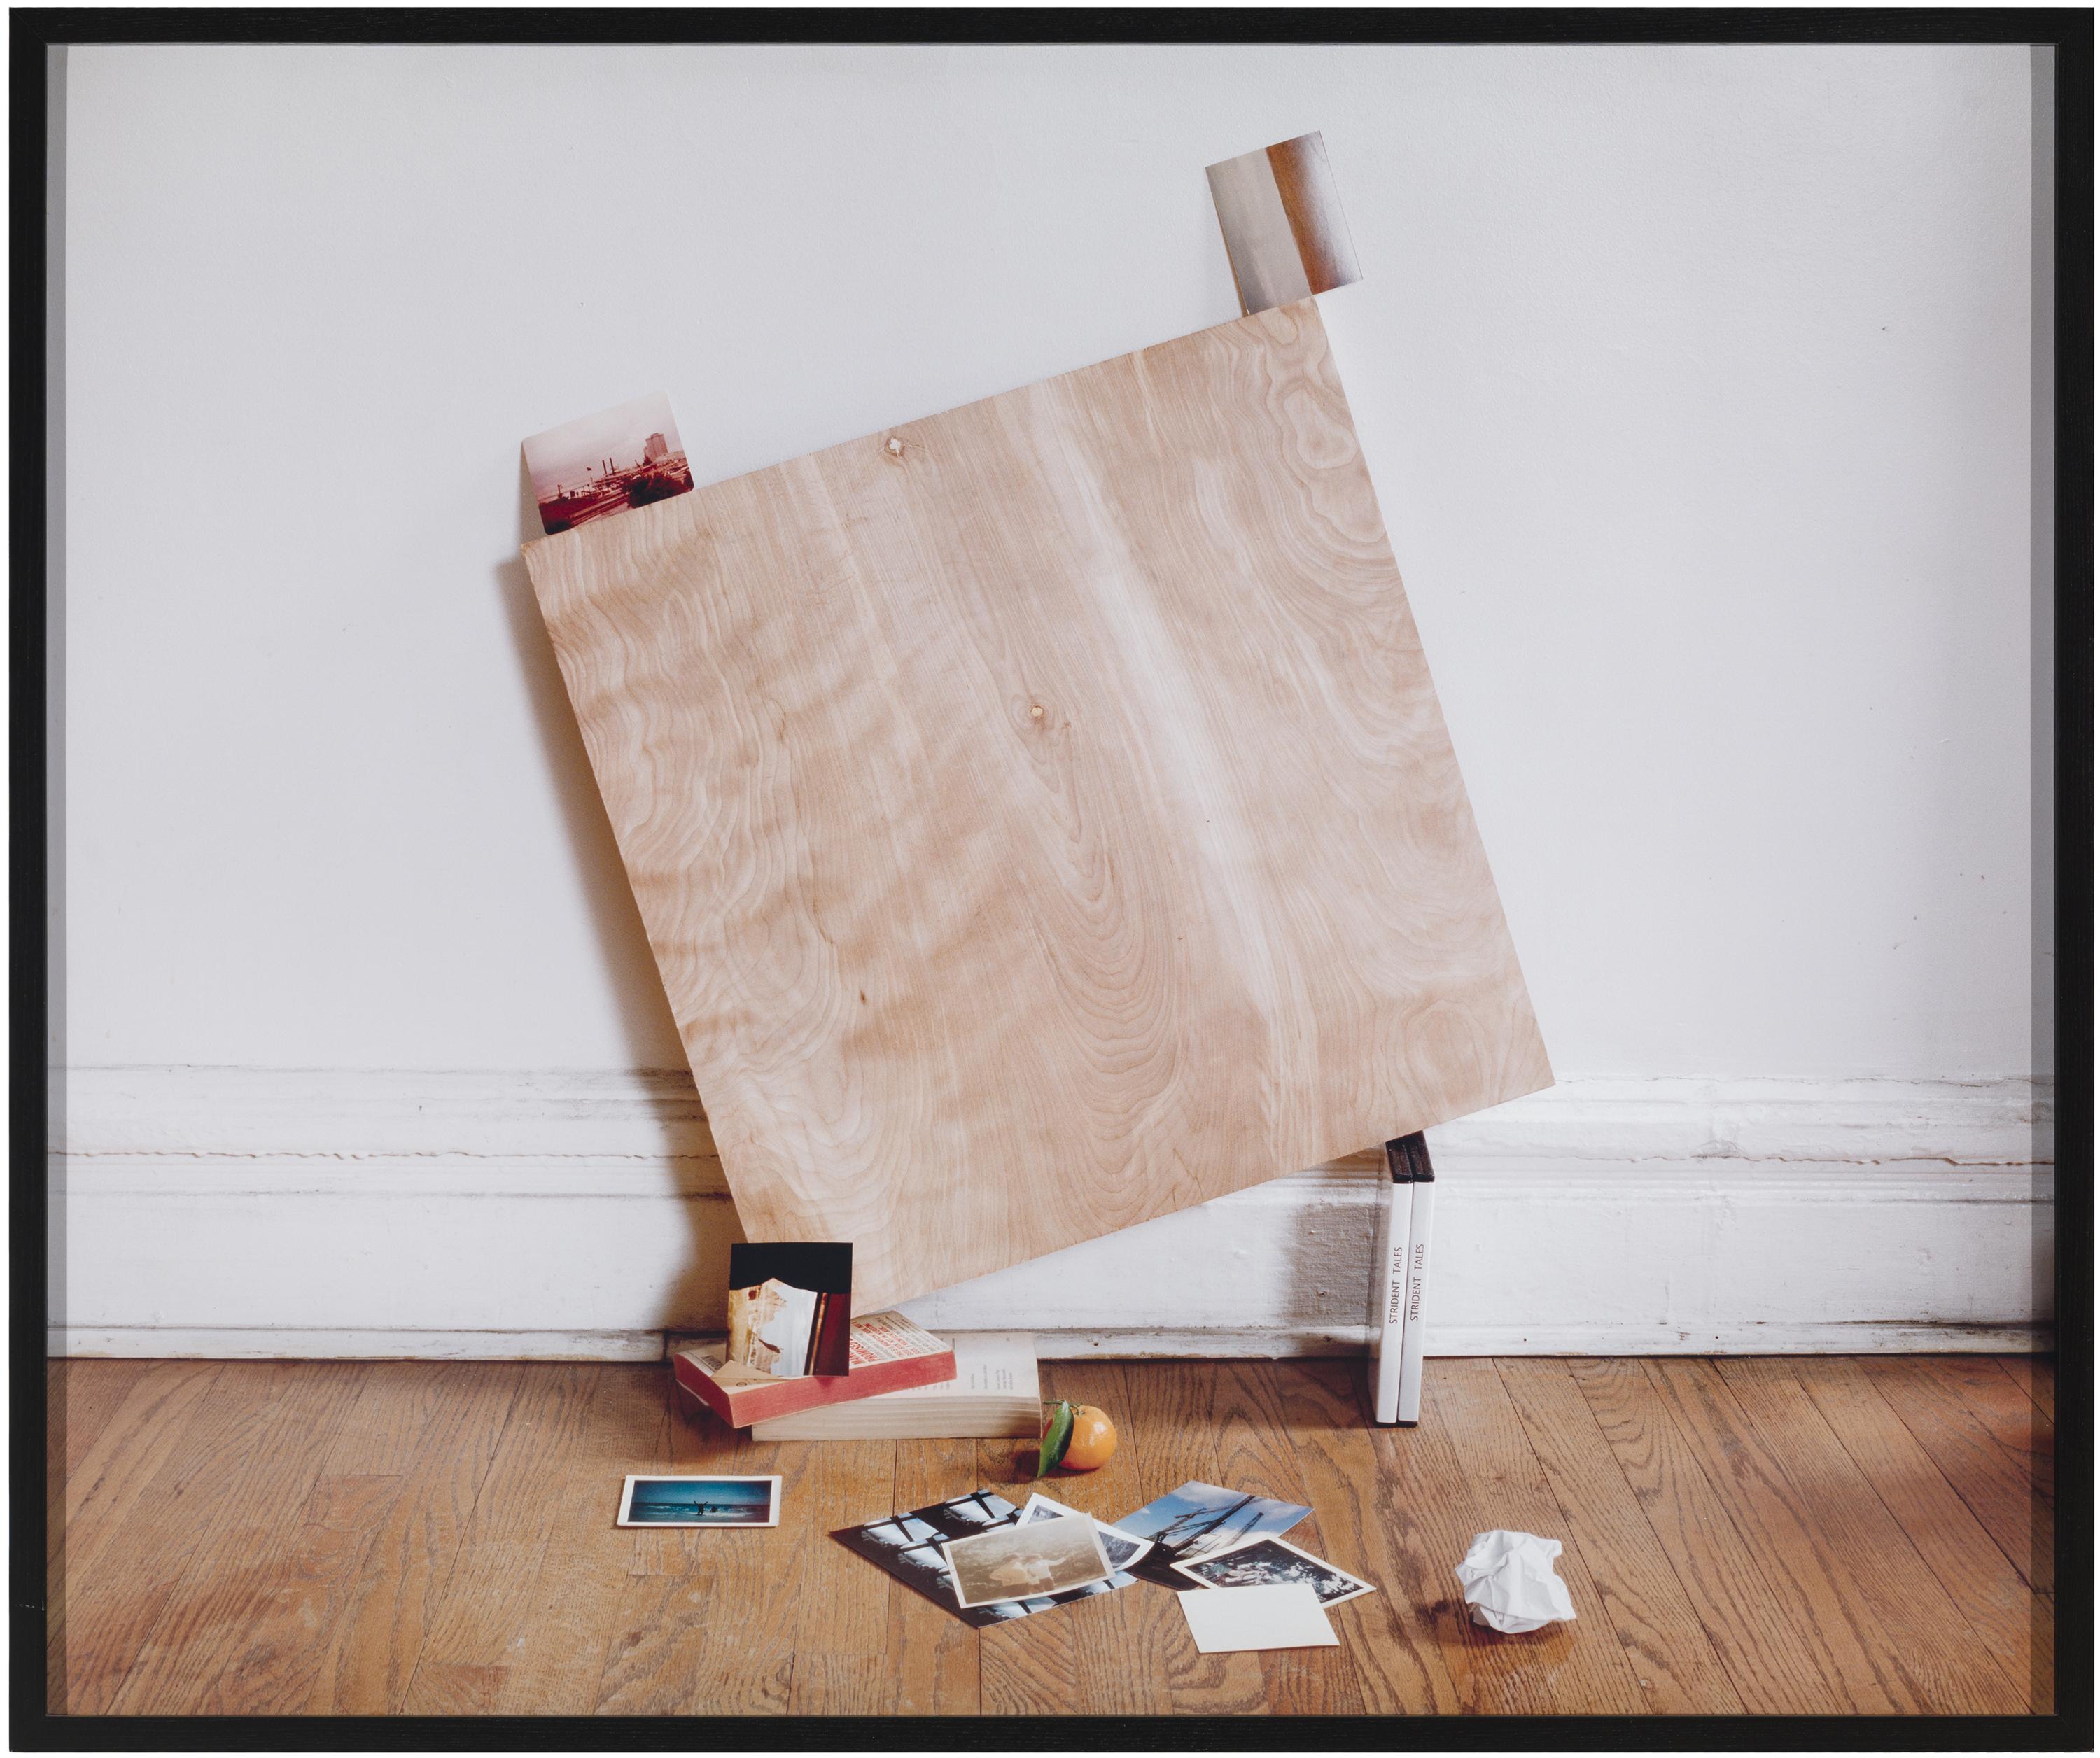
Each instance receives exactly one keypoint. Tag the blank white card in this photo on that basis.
(1225, 1620)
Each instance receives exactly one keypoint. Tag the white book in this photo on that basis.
(1409, 1410)
(995, 1395)
(1389, 1282)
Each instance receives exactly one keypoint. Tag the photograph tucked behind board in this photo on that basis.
(619, 458)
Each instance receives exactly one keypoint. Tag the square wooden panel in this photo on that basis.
(1041, 813)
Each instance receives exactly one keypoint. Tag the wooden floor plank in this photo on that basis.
(2006, 1412)
(240, 1562)
(111, 1435)
(2035, 1374)
(1124, 1643)
(707, 1621)
(484, 1605)
(1768, 1508)
(1031, 1668)
(1583, 1661)
(1492, 1674)
(1991, 1476)
(389, 1595)
(693, 1441)
(1792, 1537)
(85, 1396)
(933, 1655)
(1674, 1662)
(126, 1449)
(841, 1647)
(1256, 1452)
(574, 1602)
(1773, 1657)
(277, 1663)
(1376, 1533)
(2013, 1623)
(1172, 1412)
(1922, 1642)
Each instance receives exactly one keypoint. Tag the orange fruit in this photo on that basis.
(1093, 1441)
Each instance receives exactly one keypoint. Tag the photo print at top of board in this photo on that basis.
(1282, 219)
(626, 456)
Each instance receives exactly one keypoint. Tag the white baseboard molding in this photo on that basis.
(155, 1343)
(242, 1212)
(1569, 1340)
(158, 1343)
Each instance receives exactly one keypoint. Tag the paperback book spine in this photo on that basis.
(1410, 1409)
(1389, 1282)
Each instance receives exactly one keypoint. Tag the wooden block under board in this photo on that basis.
(1041, 813)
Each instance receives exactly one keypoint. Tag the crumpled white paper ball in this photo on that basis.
(1510, 1584)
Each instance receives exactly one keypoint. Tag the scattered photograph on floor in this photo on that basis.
(1027, 1559)
(700, 1501)
(1120, 1548)
(1270, 1562)
(908, 1545)
(1198, 1519)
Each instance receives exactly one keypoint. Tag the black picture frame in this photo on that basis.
(33, 34)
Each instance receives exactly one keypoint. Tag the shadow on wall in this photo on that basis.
(697, 1300)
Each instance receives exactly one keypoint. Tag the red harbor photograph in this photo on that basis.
(622, 457)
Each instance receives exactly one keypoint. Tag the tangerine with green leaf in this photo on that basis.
(1078, 1436)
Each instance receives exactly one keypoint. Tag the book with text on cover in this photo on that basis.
(1405, 1159)
(888, 1353)
(993, 1395)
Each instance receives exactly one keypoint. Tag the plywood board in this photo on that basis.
(1041, 813)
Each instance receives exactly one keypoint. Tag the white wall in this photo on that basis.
(1694, 384)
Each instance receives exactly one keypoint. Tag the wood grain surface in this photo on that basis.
(312, 1538)
(1041, 813)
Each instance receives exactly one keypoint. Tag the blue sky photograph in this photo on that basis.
(1200, 1518)
(701, 1500)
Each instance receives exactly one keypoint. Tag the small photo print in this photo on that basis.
(790, 1308)
(1024, 1562)
(700, 1501)
(911, 1547)
(1270, 1562)
(606, 463)
(1199, 1519)
(1119, 1547)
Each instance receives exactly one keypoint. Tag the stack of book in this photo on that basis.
(1401, 1280)
(902, 1383)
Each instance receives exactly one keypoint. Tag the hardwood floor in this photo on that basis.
(1814, 1536)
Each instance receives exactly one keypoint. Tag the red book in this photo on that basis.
(887, 1352)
